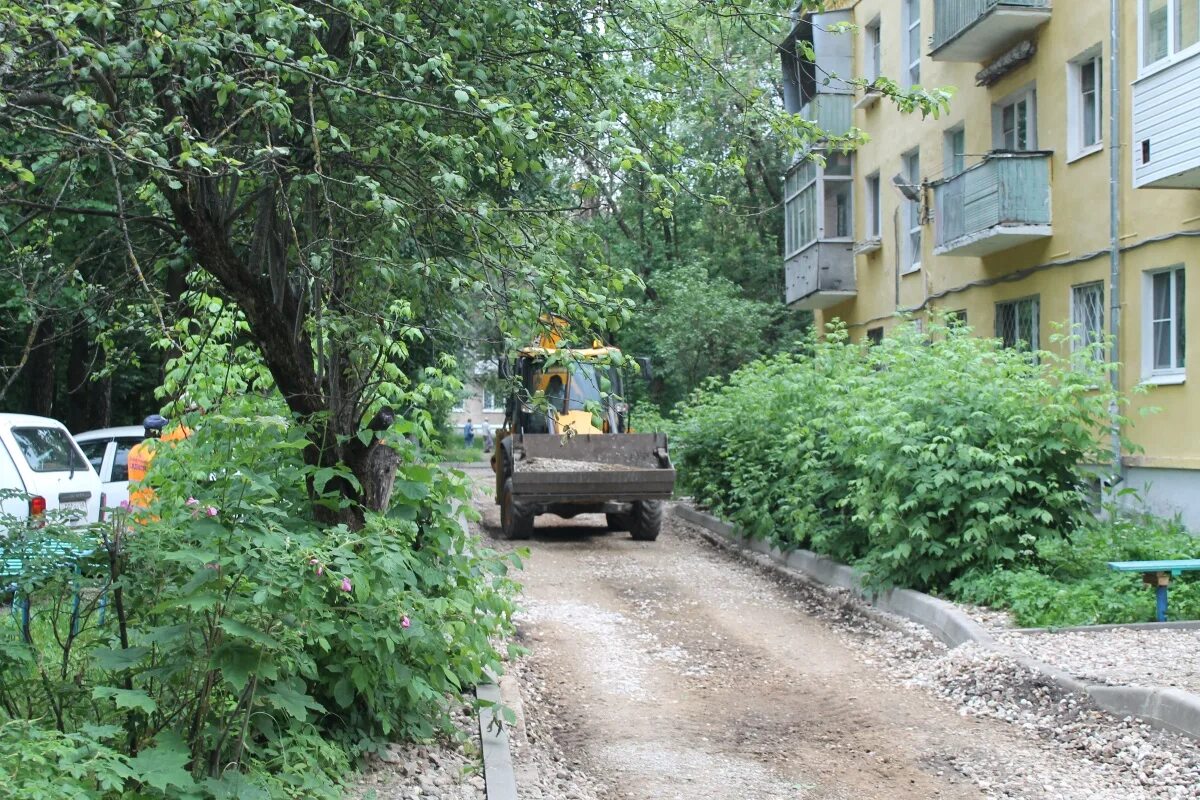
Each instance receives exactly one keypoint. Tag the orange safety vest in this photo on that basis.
(139, 460)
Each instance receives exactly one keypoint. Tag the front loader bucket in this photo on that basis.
(619, 467)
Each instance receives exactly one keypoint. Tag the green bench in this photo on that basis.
(39, 556)
(1158, 574)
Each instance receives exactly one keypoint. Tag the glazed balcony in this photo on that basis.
(821, 275)
(834, 113)
(979, 30)
(1001, 202)
(1166, 126)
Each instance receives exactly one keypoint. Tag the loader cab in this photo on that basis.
(580, 396)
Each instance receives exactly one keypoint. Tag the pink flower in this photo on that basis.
(191, 501)
(320, 567)
(405, 621)
(346, 584)
(125, 505)
(211, 511)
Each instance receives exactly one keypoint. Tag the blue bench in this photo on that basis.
(46, 556)
(1158, 574)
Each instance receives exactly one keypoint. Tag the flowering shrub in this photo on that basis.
(918, 459)
(247, 650)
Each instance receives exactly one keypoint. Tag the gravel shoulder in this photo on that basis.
(674, 669)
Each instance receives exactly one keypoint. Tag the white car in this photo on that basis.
(40, 460)
(108, 451)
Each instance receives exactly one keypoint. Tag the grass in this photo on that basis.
(452, 448)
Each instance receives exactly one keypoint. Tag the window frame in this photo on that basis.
(1082, 338)
(1150, 372)
(874, 49)
(1025, 95)
(1173, 52)
(954, 163)
(824, 224)
(912, 216)
(792, 245)
(912, 61)
(874, 206)
(823, 228)
(1076, 146)
(491, 407)
(1033, 342)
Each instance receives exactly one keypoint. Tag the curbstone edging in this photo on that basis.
(498, 775)
(1165, 707)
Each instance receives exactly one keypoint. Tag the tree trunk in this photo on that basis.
(78, 385)
(41, 371)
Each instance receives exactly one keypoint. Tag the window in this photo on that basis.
(94, 451)
(837, 186)
(120, 467)
(800, 207)
(806, 220)
(460, 405)
(490, 401)
(912, 41)
(957, 318)
(912, 212)
(1164, 334)
(1017, 323)
(874, 207)
(1168, 28)
(874, 68)
(1087, 317)
(875, 335)
(49, 450)
(955, 144)
(1085, 104)
(1015, 122)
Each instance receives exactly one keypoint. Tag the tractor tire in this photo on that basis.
(645, 520)
(617, 522)
(516, 521)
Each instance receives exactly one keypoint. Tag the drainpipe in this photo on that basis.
(1114, 223)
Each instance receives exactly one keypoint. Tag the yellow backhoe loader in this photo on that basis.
(566, 447)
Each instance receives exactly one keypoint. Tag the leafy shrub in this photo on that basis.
(920, 459)
(248, 651)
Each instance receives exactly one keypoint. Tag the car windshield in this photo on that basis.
(93, 451)
(48, 450)
(584, 387)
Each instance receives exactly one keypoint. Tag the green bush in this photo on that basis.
(246, 650)
(920, 459)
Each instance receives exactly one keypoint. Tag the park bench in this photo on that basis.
(42, 558)
(1158, 574)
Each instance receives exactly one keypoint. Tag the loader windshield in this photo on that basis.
(576, 387)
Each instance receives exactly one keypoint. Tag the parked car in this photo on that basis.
(108, 451)
(39, 459)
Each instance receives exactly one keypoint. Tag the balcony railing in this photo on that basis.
(821, 275)
(834, 113)
(1001, 202)
(979, 30)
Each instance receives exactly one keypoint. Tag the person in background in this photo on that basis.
(140, 456)
(486, 430)
(468, 433)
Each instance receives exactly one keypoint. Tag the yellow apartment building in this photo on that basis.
(1019, 208)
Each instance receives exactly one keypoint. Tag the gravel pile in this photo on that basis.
(446, 770)
(1162, 657)
(567, 465)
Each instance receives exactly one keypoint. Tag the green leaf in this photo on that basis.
(119, 659)
(126, 698)
(241, 630)
(461, 96)
(162, 766)
(291, 698)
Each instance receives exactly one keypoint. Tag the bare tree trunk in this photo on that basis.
(78, 385)
(41, 371)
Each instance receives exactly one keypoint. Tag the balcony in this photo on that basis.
(979, 30)
(1166, 127)
(834, 113)
(1001, 202)
(820, 276)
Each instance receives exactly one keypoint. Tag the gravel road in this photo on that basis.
(673, 669)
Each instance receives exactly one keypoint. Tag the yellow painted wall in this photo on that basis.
(1080, 210)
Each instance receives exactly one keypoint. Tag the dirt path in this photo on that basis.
(677, 672)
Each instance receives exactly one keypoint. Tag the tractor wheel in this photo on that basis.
(645, 520)
(617, 522)
(516, 521)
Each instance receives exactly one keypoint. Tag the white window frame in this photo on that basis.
(953, 162)
(874, 207)
(792, 245)
(826, 228)
(912, 61)
(489, 402)
(1033, 313)
(1076, 146)
(460, 406)
(914, 240)
(874, 49)
(1027, 95)
(1172, 374)
(1082, 335)
(1173, 53)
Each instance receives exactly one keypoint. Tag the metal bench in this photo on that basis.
(14, 569)
(1158, 574)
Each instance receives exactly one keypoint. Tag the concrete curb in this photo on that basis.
(1164, 707)
(498, 773)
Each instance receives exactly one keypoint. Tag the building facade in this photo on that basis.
(1002, 210)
